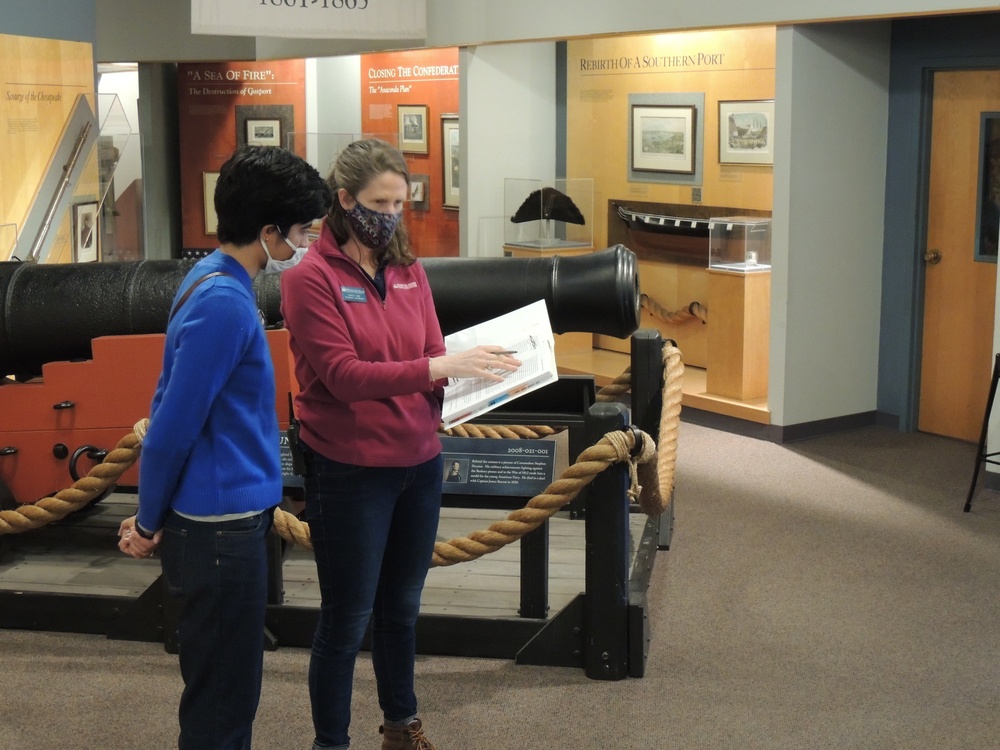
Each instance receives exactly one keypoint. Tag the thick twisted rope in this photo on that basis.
(652, 475)
(101, 478)
(652, 480)
(694, 311)
(613, 448)
(617, 388)
(497, 431)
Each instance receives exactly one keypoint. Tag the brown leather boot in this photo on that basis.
(410, 737)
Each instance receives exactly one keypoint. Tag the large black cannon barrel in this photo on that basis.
(51, 313)
(596, 293)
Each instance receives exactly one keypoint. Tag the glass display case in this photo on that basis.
(549, 216)
(69, 206)
(740, 244)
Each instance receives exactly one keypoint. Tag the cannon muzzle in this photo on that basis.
(50, 313)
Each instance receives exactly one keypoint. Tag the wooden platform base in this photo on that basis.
(606, 365)
(79, 557)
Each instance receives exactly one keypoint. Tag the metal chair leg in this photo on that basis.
(981, 448)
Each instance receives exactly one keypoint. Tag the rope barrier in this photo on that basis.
(652, 476)
(694, 311)
(101, 478)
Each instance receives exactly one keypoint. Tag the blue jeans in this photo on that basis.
(373, 532)
(219, 573)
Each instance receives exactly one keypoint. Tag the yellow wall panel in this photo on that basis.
(41, 79)
(733, 64)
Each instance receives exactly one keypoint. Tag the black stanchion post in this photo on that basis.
(647, 402)
(535, 573)
(605, 611)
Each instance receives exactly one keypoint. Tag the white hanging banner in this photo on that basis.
(311, 19)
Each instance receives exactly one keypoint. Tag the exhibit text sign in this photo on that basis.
(311, 19)
(505, 467)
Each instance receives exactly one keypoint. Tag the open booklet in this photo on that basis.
(526, 332)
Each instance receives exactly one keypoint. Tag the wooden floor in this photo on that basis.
(79, 556)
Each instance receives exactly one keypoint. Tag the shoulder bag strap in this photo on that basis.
(184, 297)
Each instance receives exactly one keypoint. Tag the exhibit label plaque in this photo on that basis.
(518, 468)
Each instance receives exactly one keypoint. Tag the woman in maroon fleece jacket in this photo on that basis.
(371, 365)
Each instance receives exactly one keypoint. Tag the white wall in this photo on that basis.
(333, 106)
(831, 114)
(463, 22)
(508, 129)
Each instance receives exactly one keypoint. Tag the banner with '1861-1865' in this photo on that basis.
(311, 19)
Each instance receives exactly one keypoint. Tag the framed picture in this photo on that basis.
(264, 132)
(449, 160)
(211, 218)
(268, 124)
(420, 192)
(988, 205)
(663, 138)
(746, 130)
(412, 128)
(86, 237)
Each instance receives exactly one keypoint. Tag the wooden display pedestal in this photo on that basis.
(739, 314)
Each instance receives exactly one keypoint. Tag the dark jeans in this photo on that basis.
(219, 572)
(373, 532)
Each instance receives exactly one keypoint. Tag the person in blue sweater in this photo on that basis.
(210, 475)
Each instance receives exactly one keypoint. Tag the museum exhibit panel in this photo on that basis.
(64, 143)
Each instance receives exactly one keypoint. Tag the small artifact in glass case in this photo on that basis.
(548, 216)
(741, 244)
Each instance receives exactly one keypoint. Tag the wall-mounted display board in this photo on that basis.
(631, 96)
(409, 98)
(222, 106)
(606, 75)
(42, 79)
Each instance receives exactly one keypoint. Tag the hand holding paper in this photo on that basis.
(486, 361)
(527, 332)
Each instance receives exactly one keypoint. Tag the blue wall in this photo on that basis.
(72, 20)
(919, 47)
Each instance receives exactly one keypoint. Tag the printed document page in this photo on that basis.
(525, 331)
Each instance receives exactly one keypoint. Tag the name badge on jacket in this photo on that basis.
(353, 294)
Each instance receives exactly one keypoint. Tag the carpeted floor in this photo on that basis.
(824, 594)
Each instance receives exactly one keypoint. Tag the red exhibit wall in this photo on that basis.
(418, 77)
(219, 104)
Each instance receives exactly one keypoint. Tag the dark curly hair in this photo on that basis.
(263, 185)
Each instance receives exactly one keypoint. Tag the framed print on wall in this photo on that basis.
(270, 124)
(85, 232)
(746, 132)
(663, 138)
(412, 128)
(211, 218)
(419, 192)
(449, 160)
(264, 132)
